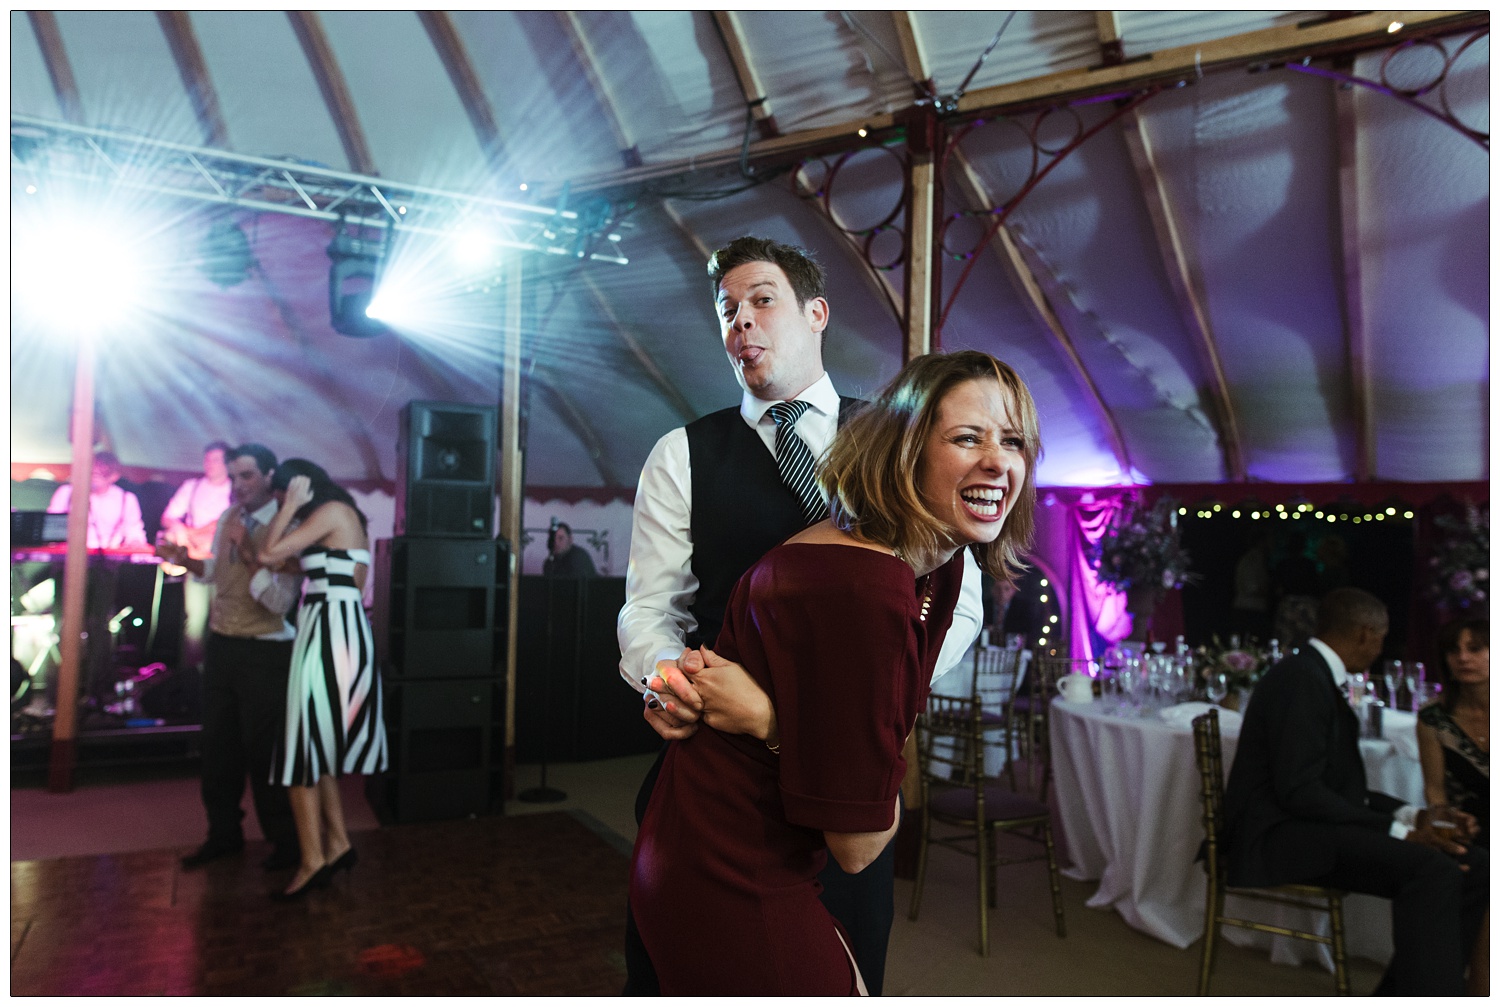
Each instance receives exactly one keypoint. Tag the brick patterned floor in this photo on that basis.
(528, 905)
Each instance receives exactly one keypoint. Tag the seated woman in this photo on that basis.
(840, 626)
(1453, 731)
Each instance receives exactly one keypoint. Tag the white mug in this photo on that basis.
(1076, 688)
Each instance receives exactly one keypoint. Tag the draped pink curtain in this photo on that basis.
(1098, 616)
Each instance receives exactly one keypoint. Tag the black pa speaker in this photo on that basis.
(436, 607)
(445, 454)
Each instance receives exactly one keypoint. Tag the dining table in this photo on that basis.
(1130, 809)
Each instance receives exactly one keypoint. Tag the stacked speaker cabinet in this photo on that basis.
(440, 619)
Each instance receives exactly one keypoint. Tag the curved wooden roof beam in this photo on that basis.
(1183, 273)
(55, 56)
(455, 58)
(641, 355)
(1033, 291)
(572, 24)
(733, 36)
(335, 90)
(1356, 337)
(177, 26)
(577, 421)
(687, 233)
(913, 53)
(1360, 33)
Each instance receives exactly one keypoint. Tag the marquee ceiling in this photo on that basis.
(1261, 274)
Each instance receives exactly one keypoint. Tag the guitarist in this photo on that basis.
(189, 521)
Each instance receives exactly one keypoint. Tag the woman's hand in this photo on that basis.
(731, 701)
(298, 492)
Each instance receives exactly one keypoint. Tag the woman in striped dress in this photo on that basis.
(334, 712)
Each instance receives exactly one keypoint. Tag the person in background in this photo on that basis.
(114, 512)
(1453, 731)
(191, 519)
(335, 717)
(1297, 809)
(245, 664)
(564, 559)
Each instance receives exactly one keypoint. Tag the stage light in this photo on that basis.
(474, 249)
(1395, 26)
(225, 256)
(354, 260)
(31, 190)
(60, 255)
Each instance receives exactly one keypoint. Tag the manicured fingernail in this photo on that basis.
(653, 704)
(645, 679)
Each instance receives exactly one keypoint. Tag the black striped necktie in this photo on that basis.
(795, 461)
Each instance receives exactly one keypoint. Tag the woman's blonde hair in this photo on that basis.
(872, 471)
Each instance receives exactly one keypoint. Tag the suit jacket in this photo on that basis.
(1298, 760)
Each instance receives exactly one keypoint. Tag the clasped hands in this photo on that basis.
(702, 687)
(1444, 828)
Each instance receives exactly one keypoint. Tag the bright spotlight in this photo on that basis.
(61, 255)
(473, 249)
(393, 304)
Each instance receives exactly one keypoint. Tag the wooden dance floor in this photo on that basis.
(527, 905)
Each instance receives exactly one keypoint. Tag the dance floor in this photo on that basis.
(512, 906)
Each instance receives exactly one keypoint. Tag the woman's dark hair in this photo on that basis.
(324, 489)
(1450, 638)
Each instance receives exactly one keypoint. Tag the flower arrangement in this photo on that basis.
(1141, 548)
(1460, 561)
(1240, 666)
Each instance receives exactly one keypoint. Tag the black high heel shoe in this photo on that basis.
(345, 862)
(321, 878)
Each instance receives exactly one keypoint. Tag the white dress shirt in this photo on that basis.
(114, 516)
(198, 502)
(276, 592)
(1406, 815)
(659, 582)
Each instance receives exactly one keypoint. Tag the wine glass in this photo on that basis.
(1416, 675)
(1393, 675)
(1217, 687)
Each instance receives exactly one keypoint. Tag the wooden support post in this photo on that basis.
(923, 210)
(75, 575)
(512, 496)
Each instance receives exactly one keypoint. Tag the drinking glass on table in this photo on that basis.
(1217, 687)
(1394, 672)
(1416, 677)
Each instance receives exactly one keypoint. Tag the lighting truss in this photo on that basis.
(41, 149)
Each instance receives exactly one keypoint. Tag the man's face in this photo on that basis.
(214, 469)
(562, 541)
(102, 477)
(774, 346)
(1371, 643)
(251, 486)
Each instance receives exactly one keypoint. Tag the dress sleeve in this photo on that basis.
(842, 658)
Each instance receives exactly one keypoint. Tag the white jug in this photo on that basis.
(1076, 688)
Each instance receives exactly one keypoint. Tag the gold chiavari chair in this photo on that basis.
(956, 795)
(1211, 769)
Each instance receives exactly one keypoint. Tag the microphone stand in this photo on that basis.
(544, 794)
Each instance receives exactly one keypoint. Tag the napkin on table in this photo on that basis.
(1182, 715)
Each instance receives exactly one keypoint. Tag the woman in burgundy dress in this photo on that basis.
(841, 626)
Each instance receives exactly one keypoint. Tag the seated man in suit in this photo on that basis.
(1296, 809)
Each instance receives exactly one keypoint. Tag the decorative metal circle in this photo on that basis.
(1413, 66)
(963, 232)
(878, 247)
(810, 180)
(1456, 70)
(1068, 140)
(999, 154)
(866, 168)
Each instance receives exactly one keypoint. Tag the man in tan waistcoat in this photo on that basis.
(246, 661)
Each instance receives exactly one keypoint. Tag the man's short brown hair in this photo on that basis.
(801, 269)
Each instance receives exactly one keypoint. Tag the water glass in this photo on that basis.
(1416, 677)
(1394, 672)
(1217, 687)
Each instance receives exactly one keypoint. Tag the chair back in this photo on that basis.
(997, 674)
(1209, 754)
(959, 759)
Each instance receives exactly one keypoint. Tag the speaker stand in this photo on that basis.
(544, 794)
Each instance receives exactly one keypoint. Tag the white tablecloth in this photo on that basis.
(1128, 793)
